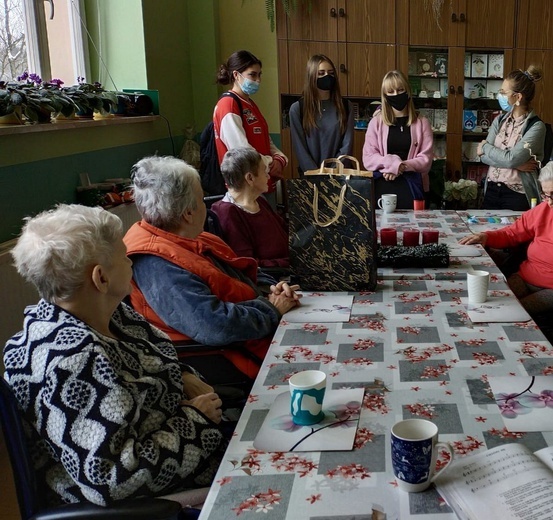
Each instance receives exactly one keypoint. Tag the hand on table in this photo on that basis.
(477, 238)
(284, 297)
(193, 386)
(209, 404)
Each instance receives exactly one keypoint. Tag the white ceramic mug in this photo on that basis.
(415, 448)
(477, 286)
(388, 202)
(307, 390)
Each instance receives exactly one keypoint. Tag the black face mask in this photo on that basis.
(326, 82)
(399, 101)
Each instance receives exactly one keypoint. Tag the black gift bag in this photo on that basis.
(333, 229)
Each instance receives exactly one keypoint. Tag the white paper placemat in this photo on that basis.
(497, 309)
(524, 402)
(336, 432)
(321, 308)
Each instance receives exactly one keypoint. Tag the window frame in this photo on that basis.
(38, 55)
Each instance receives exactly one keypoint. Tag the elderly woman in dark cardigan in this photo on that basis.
(112, 412)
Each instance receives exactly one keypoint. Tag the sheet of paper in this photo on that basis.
(525, 402)
(336, 432)
(497, 309)
(321, 308)
(461, 250)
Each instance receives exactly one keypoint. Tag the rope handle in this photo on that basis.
(352, 159)
(338, 213)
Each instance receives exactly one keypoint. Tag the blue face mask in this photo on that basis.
(503, 103)
(248, 86)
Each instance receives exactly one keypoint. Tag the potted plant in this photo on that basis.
(91, 97)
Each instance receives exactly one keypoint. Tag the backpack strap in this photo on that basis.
(236, 97)
(531, 121)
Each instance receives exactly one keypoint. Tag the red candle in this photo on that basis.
(388, 237)
(410, 237)
(430, 236)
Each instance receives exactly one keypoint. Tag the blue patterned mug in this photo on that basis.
(307, 391)
(415, 446)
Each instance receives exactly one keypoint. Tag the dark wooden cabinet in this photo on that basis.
(367, 38)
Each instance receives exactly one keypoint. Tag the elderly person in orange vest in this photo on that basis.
(189, 283)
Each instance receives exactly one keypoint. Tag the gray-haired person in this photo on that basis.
(190, 283)
(110, 410)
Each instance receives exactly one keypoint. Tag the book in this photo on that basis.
(475, 88)
(479, 67)
(467, 64)
(440, 63)
(440, 119)
(470, 118)
(415, 84)
(469, 151)
(492, 88)
(495, 65)
(425, 63)
(428, 113)
(507, 482)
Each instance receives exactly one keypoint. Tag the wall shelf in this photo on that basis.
(73, 124)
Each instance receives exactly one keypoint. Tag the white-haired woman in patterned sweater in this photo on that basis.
(113, 413)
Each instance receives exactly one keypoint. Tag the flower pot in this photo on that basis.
(15, 118)
(87, 113)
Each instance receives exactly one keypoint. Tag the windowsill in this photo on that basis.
(72, 124)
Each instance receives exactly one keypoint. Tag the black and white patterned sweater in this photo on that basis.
(105, 413)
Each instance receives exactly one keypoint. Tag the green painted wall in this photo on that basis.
(116, 49)
(173, 46)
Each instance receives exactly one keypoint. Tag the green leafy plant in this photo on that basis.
(91, 97)
(289, 6)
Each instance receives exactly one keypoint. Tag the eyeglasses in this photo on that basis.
(506, 92)
(547, 196)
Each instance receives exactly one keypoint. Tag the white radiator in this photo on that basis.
(16, 294)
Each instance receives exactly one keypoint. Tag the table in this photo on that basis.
(411, 345)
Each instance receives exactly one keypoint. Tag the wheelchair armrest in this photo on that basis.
(138, 509)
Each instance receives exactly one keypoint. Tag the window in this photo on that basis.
(42, 36)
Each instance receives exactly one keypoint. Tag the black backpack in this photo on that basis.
(210, 171)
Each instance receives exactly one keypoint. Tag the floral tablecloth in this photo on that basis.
(411, 345)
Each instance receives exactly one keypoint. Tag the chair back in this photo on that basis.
(26, 485)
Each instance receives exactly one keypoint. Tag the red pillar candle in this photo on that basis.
(388, 237)
(410, 237)
(430, 236)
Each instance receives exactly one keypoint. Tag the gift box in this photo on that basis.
(425, 255)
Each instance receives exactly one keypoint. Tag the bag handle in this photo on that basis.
(338, 164)
(338, 213)
(352, 159)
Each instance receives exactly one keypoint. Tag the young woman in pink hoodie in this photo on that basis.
(398, 144)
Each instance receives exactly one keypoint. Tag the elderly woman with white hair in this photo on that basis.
(250, 225)
(190, 283)
(533, 283)
(110, 410)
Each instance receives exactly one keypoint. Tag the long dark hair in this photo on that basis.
(239, 61)
(311, 101)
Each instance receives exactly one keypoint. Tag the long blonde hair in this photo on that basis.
(395, 80)
(311, 101)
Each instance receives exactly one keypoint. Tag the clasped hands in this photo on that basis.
(284, 297)
(388, 176)
(201, 396)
